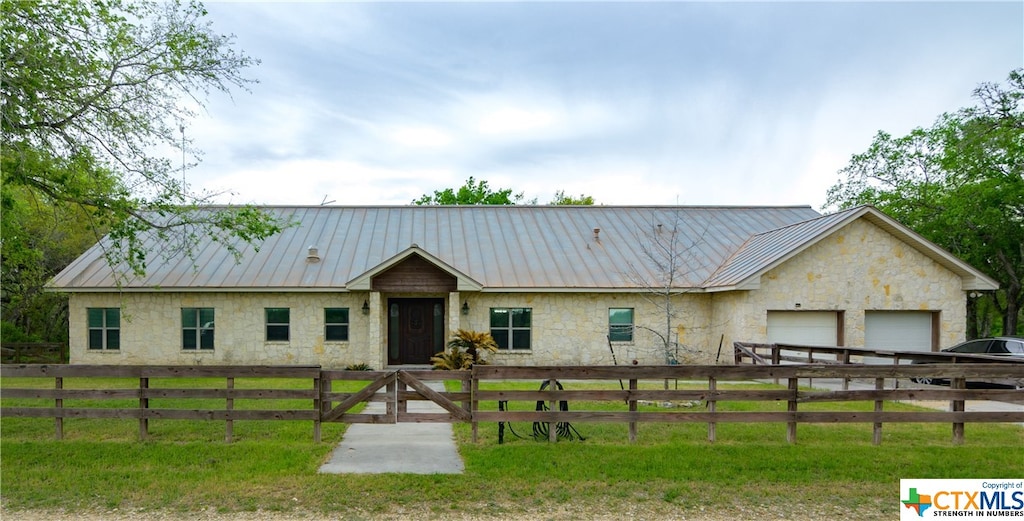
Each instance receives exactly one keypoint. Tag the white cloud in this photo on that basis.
(514, 120)
(420, 136)
(651, 103)
(311, 182)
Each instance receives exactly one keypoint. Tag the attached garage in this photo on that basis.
(807, 328)
(900, 330)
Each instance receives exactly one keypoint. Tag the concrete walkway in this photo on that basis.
(405, 448)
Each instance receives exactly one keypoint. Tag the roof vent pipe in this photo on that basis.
(313, 256)
(597, 234)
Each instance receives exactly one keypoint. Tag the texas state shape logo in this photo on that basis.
(918, 502)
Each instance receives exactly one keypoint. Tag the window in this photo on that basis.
(104, 328)
(1014, 346)
(510, 327)
(197, 328)
(336, 324)
(277, 324)
(973, 347)
(620, 324)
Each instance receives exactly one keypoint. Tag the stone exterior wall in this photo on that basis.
(572, 328)
(858, 268)
(151, 329)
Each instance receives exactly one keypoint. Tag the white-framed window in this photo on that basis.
(620, 324)
(104, 328)
(197, 329)
(512, 328)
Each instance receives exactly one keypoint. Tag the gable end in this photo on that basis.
(414, 275)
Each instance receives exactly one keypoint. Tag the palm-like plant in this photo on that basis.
(453, 359)
(464, 350)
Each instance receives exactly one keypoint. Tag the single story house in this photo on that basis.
(388, 286)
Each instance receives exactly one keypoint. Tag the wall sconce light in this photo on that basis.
(974, 294)
(366, 307)
(465, 308)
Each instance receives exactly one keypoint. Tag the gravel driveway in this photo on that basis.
(643, 511)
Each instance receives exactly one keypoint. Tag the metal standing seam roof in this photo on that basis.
(503, 248)
(765, 250)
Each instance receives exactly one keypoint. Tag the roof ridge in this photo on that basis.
(805, 221)
(510, 206)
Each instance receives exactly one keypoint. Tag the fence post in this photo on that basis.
(845, 360)
(791, 408)
(632, 408)
(391, 406)
(776, 359)
(876, 435)
(326, 386)
(59, 404)
(229, 425)
(552, 407)
(712, 407)
(143, 405)
(958, 406)
(317, 406)
(474, 404)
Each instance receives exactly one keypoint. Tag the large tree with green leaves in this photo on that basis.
(476, 192)
(90, 90)
(561, 199)
(472, 193)
(959, 183)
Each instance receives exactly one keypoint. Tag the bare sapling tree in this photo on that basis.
(673, 264)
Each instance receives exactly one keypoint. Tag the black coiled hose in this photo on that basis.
(542, 430)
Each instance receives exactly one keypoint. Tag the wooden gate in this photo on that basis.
(388, 394)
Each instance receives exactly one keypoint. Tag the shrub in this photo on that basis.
(465, 350)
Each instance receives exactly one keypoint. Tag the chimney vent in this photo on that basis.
(313, 256)
(597, 234)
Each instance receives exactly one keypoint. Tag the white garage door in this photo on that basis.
(806, 328)
(898, 330)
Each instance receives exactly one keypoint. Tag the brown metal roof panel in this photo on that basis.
(765, 249)
(498, 246)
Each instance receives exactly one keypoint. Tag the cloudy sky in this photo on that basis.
(632, 103)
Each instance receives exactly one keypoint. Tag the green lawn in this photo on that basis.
(186, 466)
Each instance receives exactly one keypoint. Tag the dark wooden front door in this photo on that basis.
(415, 330)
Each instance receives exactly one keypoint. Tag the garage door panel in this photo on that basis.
(809, 328)
(898, 330)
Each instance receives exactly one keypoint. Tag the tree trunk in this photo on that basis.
(1012, 310)
(972, 318)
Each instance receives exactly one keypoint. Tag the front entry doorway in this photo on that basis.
(415, 330)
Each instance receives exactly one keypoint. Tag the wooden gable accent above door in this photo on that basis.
(415, 275)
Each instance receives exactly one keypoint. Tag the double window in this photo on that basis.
(620, 324)
(336, 324)
(104, 328)
(278, 322)
(197, 328)
(511, 327)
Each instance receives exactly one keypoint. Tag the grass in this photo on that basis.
(186, 466)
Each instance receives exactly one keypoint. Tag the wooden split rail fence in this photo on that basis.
(588, 389)
(33, 353)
